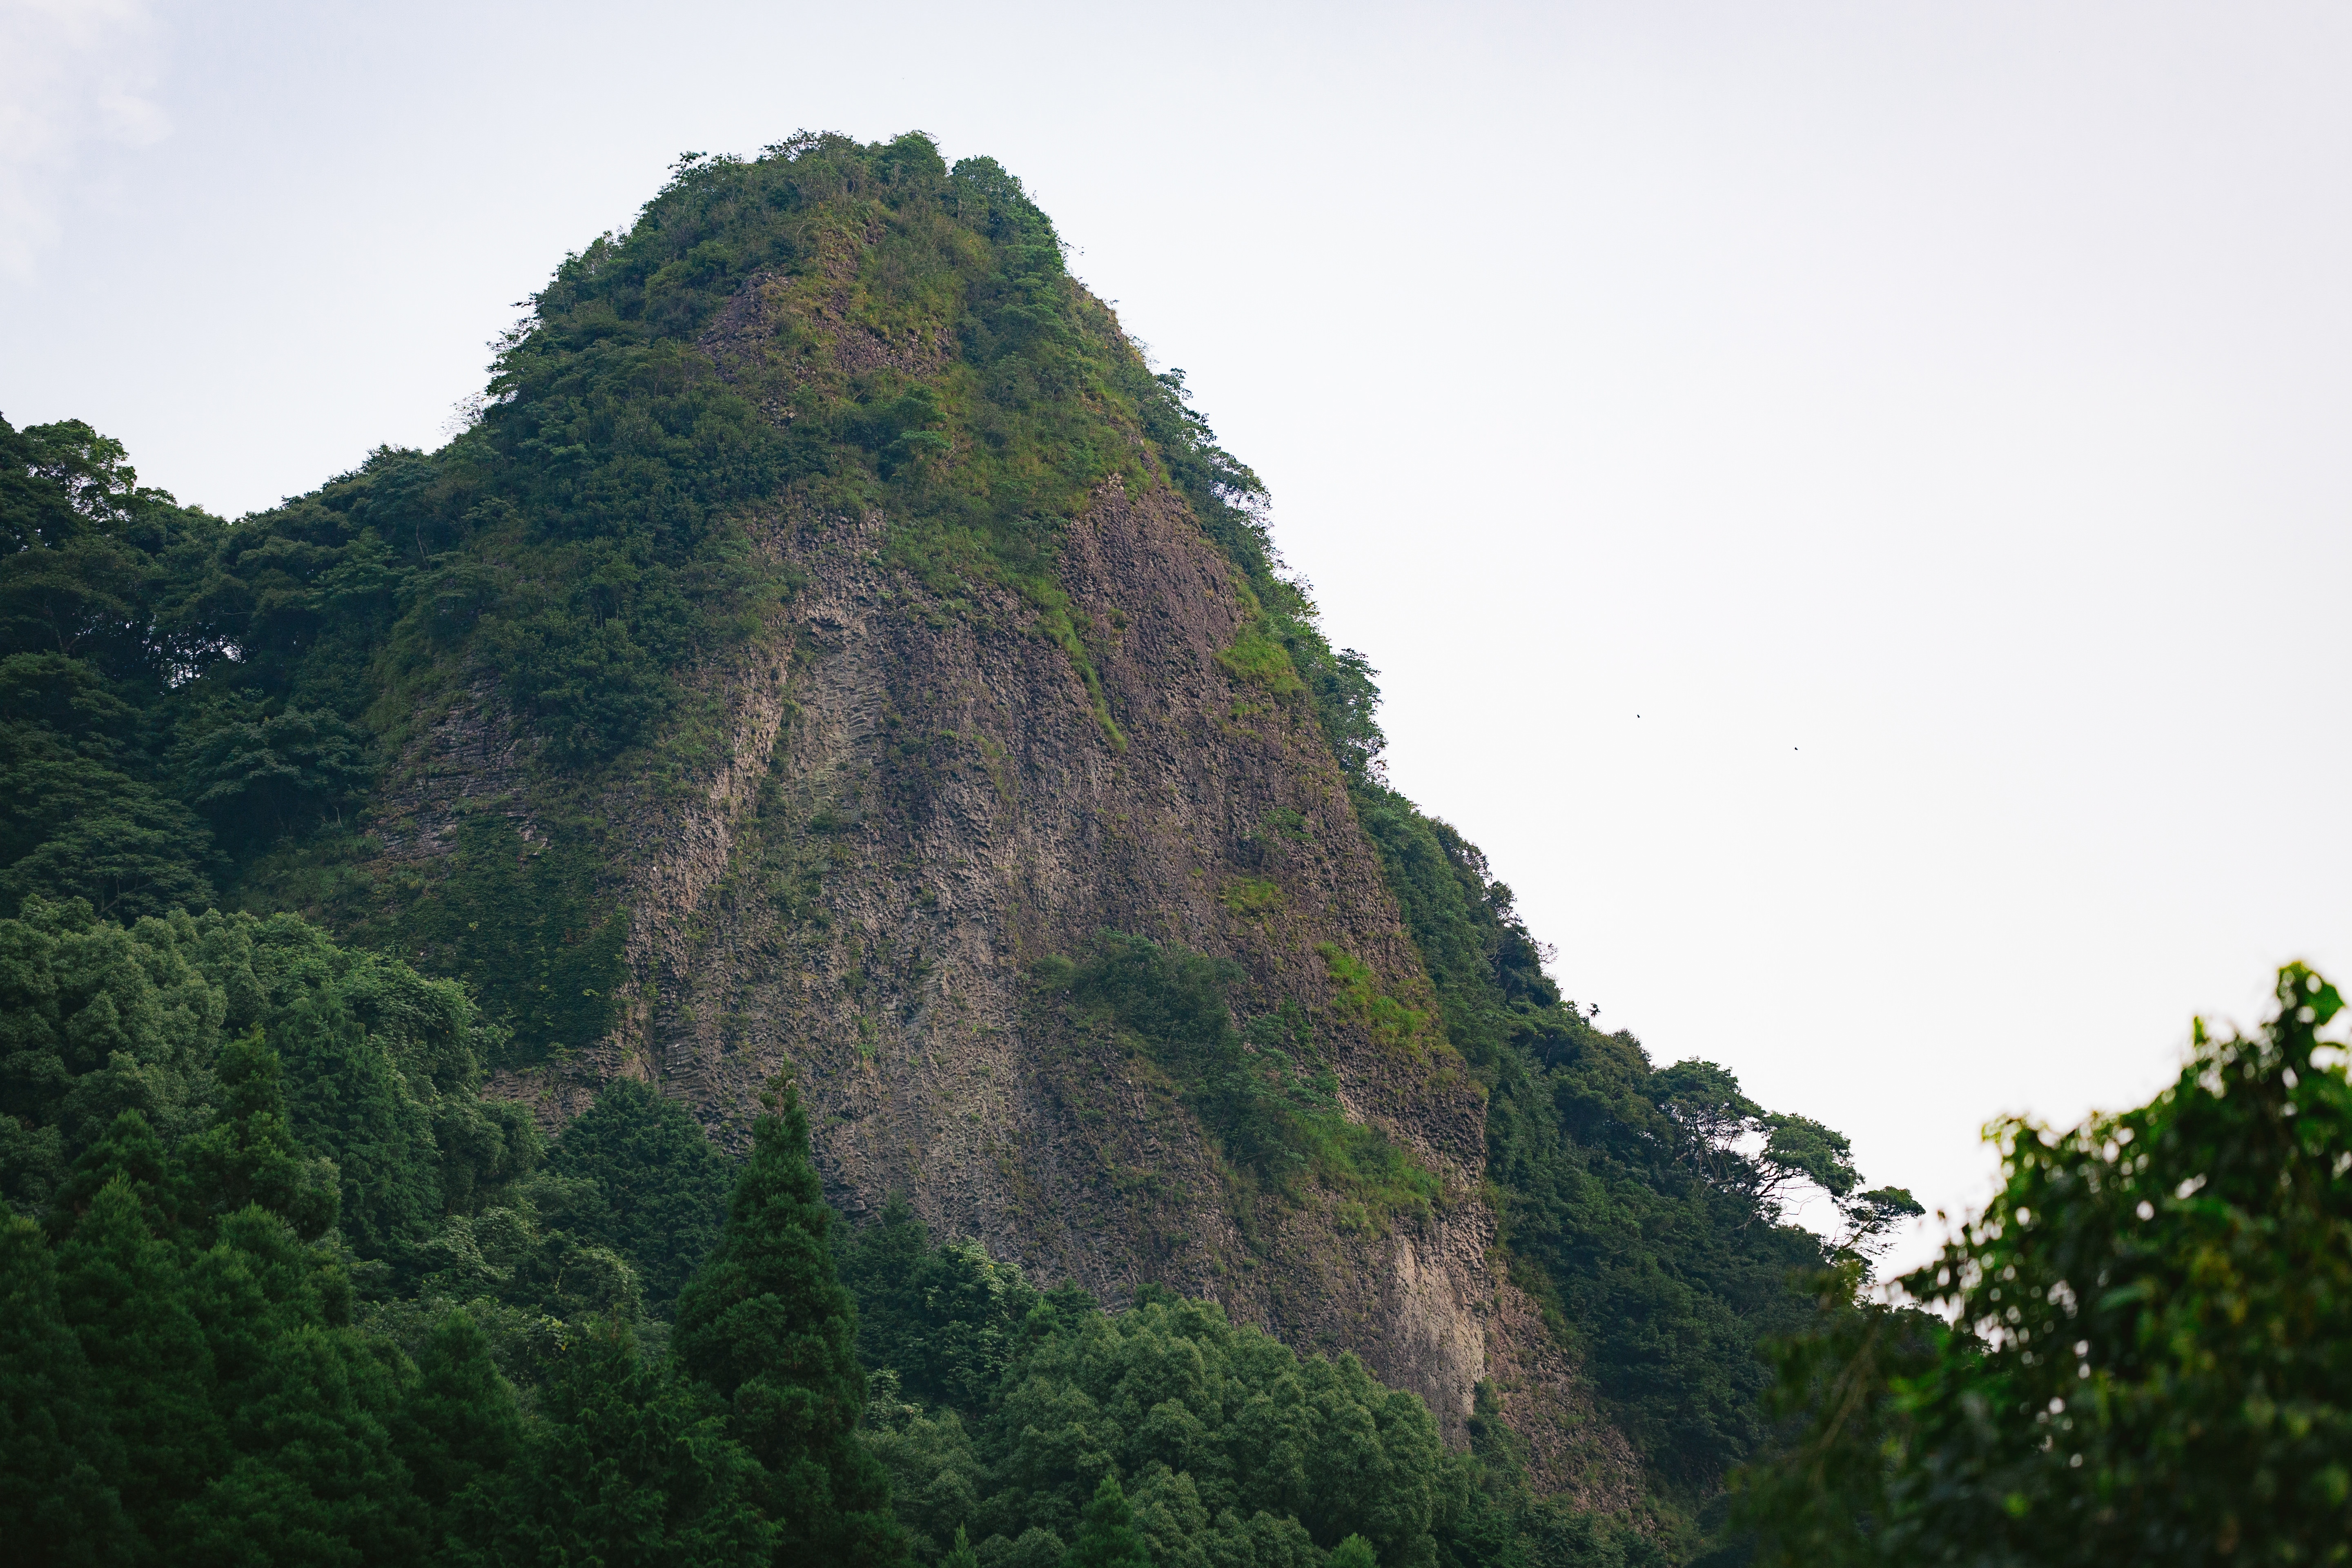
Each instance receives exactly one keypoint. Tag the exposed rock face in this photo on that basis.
(921, 797)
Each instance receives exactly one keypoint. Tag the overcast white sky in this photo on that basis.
(1849, 500)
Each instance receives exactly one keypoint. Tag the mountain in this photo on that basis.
(834, 651)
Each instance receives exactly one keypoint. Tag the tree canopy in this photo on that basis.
(2141, 1350)
(767, 1327)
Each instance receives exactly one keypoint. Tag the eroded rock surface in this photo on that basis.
(921, 795)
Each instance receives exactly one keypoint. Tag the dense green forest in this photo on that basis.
(283, 1286)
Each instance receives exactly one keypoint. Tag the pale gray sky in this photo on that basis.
(1931, 421)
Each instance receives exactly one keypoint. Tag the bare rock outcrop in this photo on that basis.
(915, 795)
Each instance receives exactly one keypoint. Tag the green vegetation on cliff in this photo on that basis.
(1639, 1205)
(1266, 1096)
(1642, 1207)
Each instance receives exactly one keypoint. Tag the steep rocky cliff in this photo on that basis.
(928, 758)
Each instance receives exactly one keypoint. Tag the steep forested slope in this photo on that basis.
(834, 648)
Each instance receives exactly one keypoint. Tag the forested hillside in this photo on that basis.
(835, 660)
(216, 1348)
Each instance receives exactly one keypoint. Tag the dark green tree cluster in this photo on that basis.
(1027, 1427)
(946, 1322)
(629, 1202)
(657, 1188)
(85, 565)
(182, 1379)
(188, 1373)
(437, 1189)
(381, 1066)
(2140, 1351)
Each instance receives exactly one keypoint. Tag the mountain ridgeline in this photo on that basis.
(834, 653)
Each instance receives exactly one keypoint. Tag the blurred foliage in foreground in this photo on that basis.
(2148, 1351)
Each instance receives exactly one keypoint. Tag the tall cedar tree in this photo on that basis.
(58, 1461)
(209, 1374)
(625, 1467)
(664, 1185)
(768, 1326)
(459, 1422)
(150, 1370)
(250, 1155)
(1106, 1533)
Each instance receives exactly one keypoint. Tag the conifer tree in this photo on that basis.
(129, 1151)
(151, 1371)
(459, 1422)
(258, 1283)
(883, 1267)
(315, 1479)
(664, 1184)
(625, 1469)
(1107, 1534)
(768, 1327)
(58, 1460)
(250, 1154)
